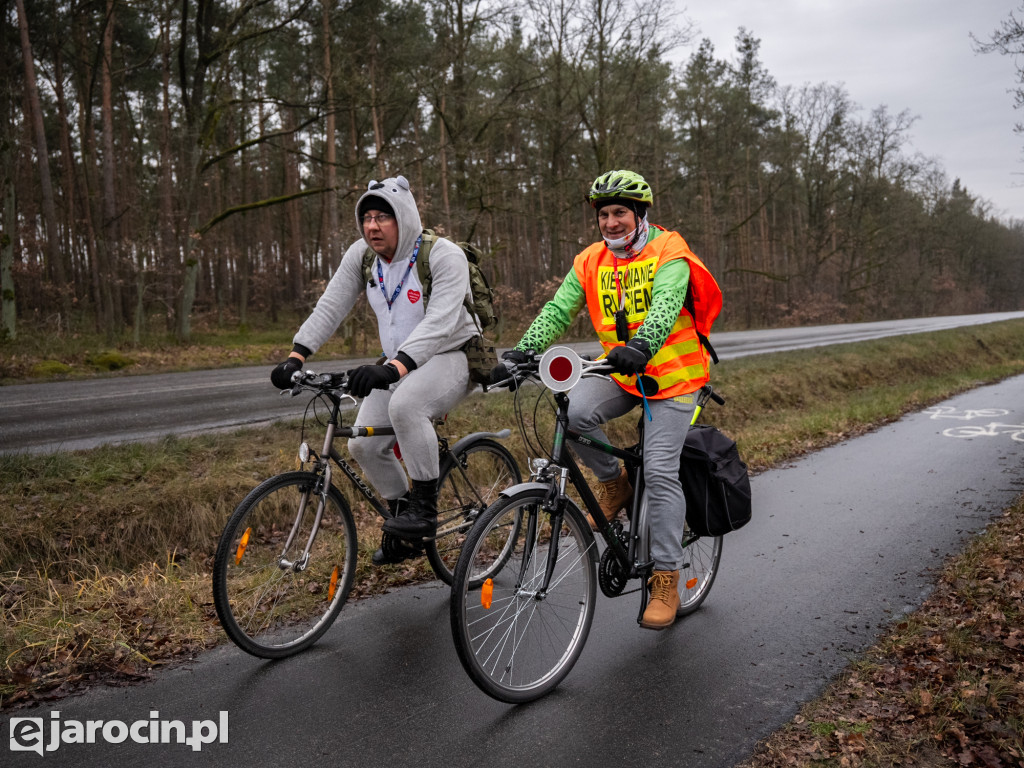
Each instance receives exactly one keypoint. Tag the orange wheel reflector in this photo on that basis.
(691, 583)
(334, 585)
(242, 545)
(487, 593)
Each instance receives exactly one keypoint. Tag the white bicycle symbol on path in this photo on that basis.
(949, 412)
(992, 429)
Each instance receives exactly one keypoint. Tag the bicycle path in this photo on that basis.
(843, 541)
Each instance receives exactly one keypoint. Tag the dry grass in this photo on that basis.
(105, 555)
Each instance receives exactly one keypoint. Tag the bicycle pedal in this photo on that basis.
(394, 550)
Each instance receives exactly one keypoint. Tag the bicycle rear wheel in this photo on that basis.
(469, 482)
(270, 602)
(515, 642)
(702, 556)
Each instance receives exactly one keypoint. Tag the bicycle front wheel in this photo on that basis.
(469, 482)
(701, 557)
(515, 639)
(276, 592)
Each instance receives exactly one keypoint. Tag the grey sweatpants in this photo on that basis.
(592, 402)
(411, 405)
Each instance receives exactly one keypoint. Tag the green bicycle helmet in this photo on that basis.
(626, 185)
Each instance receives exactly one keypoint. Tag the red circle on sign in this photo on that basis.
(560, 368)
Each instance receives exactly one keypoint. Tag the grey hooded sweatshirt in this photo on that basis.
(416, 328)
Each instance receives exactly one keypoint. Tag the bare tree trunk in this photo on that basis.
(294, 242)
(269, 257)
(78, 272)
(170, 257)
(378, 134)
(190, 275)
(112, 319)
(330, 256)
(8, 308)
(53, 255)
(443, 162)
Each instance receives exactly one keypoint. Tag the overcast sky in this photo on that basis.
(906, 54)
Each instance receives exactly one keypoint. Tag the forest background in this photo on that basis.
(167, 163)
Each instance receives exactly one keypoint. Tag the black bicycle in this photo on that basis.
(287, 556)
(520, 618)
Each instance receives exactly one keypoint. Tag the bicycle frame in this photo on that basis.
(335, 429)
(569, 470)
(302, 536)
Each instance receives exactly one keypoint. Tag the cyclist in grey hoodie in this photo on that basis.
(423, 373)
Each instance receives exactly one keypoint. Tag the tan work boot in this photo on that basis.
(664, 600)
(613, 495)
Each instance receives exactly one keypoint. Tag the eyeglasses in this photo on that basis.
(380, 218)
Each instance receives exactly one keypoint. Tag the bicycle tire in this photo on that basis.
(702, 556)
(273, 611)
(517, 646)
(468, 483)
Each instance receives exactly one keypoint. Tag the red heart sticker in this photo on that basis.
(414, 296)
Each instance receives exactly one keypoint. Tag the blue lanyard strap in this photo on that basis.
(643, 395)
(398, 288)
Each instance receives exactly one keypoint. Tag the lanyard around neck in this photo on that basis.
(398, 288)
(621, 324)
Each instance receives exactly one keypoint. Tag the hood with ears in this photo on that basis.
(395, 191)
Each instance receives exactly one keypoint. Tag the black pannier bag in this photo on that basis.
(715, 482)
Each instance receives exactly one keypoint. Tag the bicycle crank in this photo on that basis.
(611, 575)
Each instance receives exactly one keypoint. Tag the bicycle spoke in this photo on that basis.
(268, 609)
(525, 641)
(469, 482)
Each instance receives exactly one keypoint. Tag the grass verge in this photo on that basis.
(105, 555)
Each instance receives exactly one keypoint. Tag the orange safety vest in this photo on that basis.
(682, 364)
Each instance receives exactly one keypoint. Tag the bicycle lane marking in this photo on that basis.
(992, 429)
(951, 412)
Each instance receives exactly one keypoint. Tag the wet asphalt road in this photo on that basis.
(74, 415)
(842, 542)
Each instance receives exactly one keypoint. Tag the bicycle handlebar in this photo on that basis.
(318, 382)
(530, 369)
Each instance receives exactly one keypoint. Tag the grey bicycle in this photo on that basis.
(286, 559)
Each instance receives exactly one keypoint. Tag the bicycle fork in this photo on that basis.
(554, 507)
(320, 489)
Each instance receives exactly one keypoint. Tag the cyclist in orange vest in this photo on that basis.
(651, 302)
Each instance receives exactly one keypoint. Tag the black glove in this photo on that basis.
(631, 359)
(366, 378)
(502, 372)
(281, 376)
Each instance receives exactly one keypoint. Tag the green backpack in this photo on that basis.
(482, 304)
